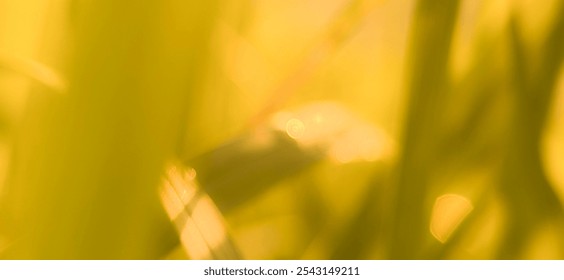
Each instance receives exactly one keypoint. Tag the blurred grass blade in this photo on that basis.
(202, 230)
(88, 164)
(364, 230)
(428, 83)
(530, 198)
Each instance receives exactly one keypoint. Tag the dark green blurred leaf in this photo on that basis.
(530, 198)
(245, 168)
(364, 230)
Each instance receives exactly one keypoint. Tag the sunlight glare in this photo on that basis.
(196, 218)
(208, 219)
(193, 242)
(330, 126)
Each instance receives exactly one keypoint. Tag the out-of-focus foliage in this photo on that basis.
(340, 129)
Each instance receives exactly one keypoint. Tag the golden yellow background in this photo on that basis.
(316, 129)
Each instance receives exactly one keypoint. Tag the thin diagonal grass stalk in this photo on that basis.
(340, 30)
(34, 70)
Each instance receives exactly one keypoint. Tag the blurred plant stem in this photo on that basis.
(87, 164)
(427, 86)
(529, 197)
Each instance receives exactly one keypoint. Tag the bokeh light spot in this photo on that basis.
(295, 128)
(448, 212)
